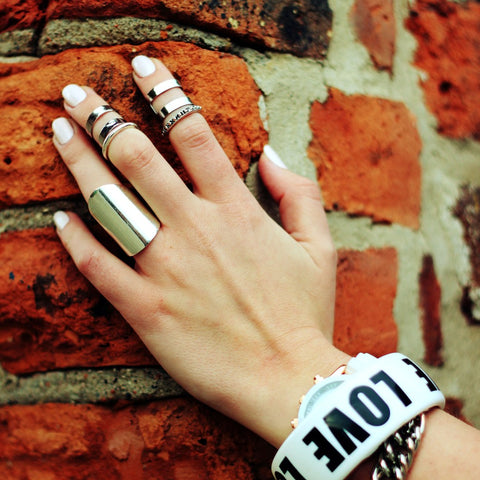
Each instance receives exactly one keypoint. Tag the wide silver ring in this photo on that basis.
(95, 115)
(178, 115)
(160, 88)
(107, 127)
(112, 133)
(124, 217)
(170, 107)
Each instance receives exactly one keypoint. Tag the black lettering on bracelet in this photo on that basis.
(286, 466)
(364, 411)
(324, 449)
(381, 376)
(339, 424)
(420, 373)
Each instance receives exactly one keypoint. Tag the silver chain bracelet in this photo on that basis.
(396, 454)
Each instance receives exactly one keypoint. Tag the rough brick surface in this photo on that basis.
(16, 14)
(50, 316)
(30, 98)
(449, 51)
(374, 23)
(366, 151)
(174, 439)
(430, 299)
(366, 290)
(301, 27)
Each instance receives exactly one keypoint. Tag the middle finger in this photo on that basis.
(134, 155)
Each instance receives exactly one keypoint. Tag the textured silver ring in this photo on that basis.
(160, 88)
(124, 217)
(170, 107)
(178, 115)
(95, 115)
(107, 127)
(112, 134)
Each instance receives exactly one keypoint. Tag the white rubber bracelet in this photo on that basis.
(351, 421)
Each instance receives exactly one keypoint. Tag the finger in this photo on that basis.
(300, 204)
(208, 166)
(80, 157)
(115, 280)
(133, 154)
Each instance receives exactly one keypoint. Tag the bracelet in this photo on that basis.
(348, 417)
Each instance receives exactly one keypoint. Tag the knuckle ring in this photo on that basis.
(124, 217)
(95, 115)
(160, 88)
(110, 130)
(176, 110)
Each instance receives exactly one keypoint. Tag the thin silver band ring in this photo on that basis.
(95, 115)
(112, 134)
(170, 107)
(178, 115)
(107, 127)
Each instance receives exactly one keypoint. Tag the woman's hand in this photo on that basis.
(236, 309)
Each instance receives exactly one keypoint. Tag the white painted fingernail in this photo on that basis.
(60, 219)
(273, 156)
(62, 129)
(143, 66)
(73, 94)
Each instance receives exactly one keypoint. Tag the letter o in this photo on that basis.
(364, 411)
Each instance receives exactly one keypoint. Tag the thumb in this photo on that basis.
(300, 204)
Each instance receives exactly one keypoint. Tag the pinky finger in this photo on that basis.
(115, 280)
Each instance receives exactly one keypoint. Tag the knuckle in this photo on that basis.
(133, 155)
(195, 134)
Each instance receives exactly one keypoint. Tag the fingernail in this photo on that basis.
(73, 94)
(273, 156)
(62, 129)
(60, 219)
(143, 66)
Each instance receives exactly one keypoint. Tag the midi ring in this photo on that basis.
(112, 133)
(160, 88)
(170, 107)
(107, 127)
(124, 217)
(95, 115)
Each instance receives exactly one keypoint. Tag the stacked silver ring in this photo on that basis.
(174, 110)
(110, 130)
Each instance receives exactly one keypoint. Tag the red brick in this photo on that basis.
(449, 52)
(301, 27)
(430, 299)
(366, 151)
(374, 23)
(176, 438)
(17, 14)
(366, 290)
(50, 316)
(30, 98)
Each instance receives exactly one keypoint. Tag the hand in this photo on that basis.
(236, 309)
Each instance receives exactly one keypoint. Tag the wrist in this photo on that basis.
(287, 380)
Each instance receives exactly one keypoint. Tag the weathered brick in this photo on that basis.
(301, 27)
(430, 299)
(374, 23)
(30, 98)
(56, 318)
(366, 290)
(16, 14)
(176, 438)
(449, 51)
(366, 151)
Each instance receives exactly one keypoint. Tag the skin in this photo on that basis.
(238, 310)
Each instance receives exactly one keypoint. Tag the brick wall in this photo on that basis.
(378, 100)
